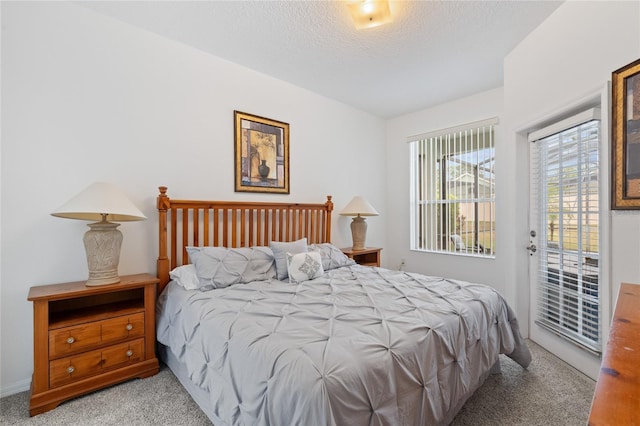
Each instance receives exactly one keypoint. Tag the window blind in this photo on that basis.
(453, 190)
(565, 175)
(455, 129)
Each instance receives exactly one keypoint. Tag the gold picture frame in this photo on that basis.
(261, 154)
(625, 140)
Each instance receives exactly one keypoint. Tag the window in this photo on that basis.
(453, 190)
(565, 184)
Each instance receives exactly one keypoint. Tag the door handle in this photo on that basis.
(532, 248)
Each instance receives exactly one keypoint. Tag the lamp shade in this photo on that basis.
(99, 199)
(100, 202)
(359, 206)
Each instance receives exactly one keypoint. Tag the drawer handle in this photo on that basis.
(70, 369)
(129, 327)
(70, 340)
(129, 352)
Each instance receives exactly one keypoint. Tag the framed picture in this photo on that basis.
(261, 154)
(625, 188)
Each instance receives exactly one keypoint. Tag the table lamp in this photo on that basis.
(358, 207)
(101, 202)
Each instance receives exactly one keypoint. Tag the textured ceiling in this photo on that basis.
(432, 52)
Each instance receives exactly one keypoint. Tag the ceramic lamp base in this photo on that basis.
(102, 243)
(358, 232)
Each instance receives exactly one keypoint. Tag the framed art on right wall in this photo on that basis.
(625, 83)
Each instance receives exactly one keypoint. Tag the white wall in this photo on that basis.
(571, 54)
(556, 70)
(474, 108)
(577, 63)
(567, 59)
(86, 98)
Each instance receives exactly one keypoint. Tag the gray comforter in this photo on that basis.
(357, 346)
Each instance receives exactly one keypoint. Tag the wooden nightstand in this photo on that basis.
(369, 256)
(87, 338)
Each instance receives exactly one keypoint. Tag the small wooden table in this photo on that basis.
(617, 397)
(88, 338)
(369, 256)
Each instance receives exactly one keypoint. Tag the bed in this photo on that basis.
(265, 322)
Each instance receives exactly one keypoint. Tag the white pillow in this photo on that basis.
(219, 267)
(304, 266)
(186, 277)
(280, 251)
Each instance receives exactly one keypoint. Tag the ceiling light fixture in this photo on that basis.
(369, 13)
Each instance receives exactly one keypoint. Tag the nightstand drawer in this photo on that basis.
(120, 355)
(123, 328)
(69, 340)
(76, 367)
(66, 370)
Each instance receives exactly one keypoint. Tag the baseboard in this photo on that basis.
(21, 386)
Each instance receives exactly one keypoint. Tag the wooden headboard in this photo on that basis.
(185, 223)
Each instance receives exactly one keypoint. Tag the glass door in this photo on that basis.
(565, 241)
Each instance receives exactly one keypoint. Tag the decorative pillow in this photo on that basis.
(304, 266)
(332, 256)
(218, 267)
(186, 277)
(280, 251)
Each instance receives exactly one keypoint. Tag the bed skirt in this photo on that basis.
(201, 397)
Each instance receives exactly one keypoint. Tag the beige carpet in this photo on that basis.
(549, 393)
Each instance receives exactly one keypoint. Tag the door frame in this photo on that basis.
(570, 352)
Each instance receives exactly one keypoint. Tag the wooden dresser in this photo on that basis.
(617, 397)
(87, 338)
